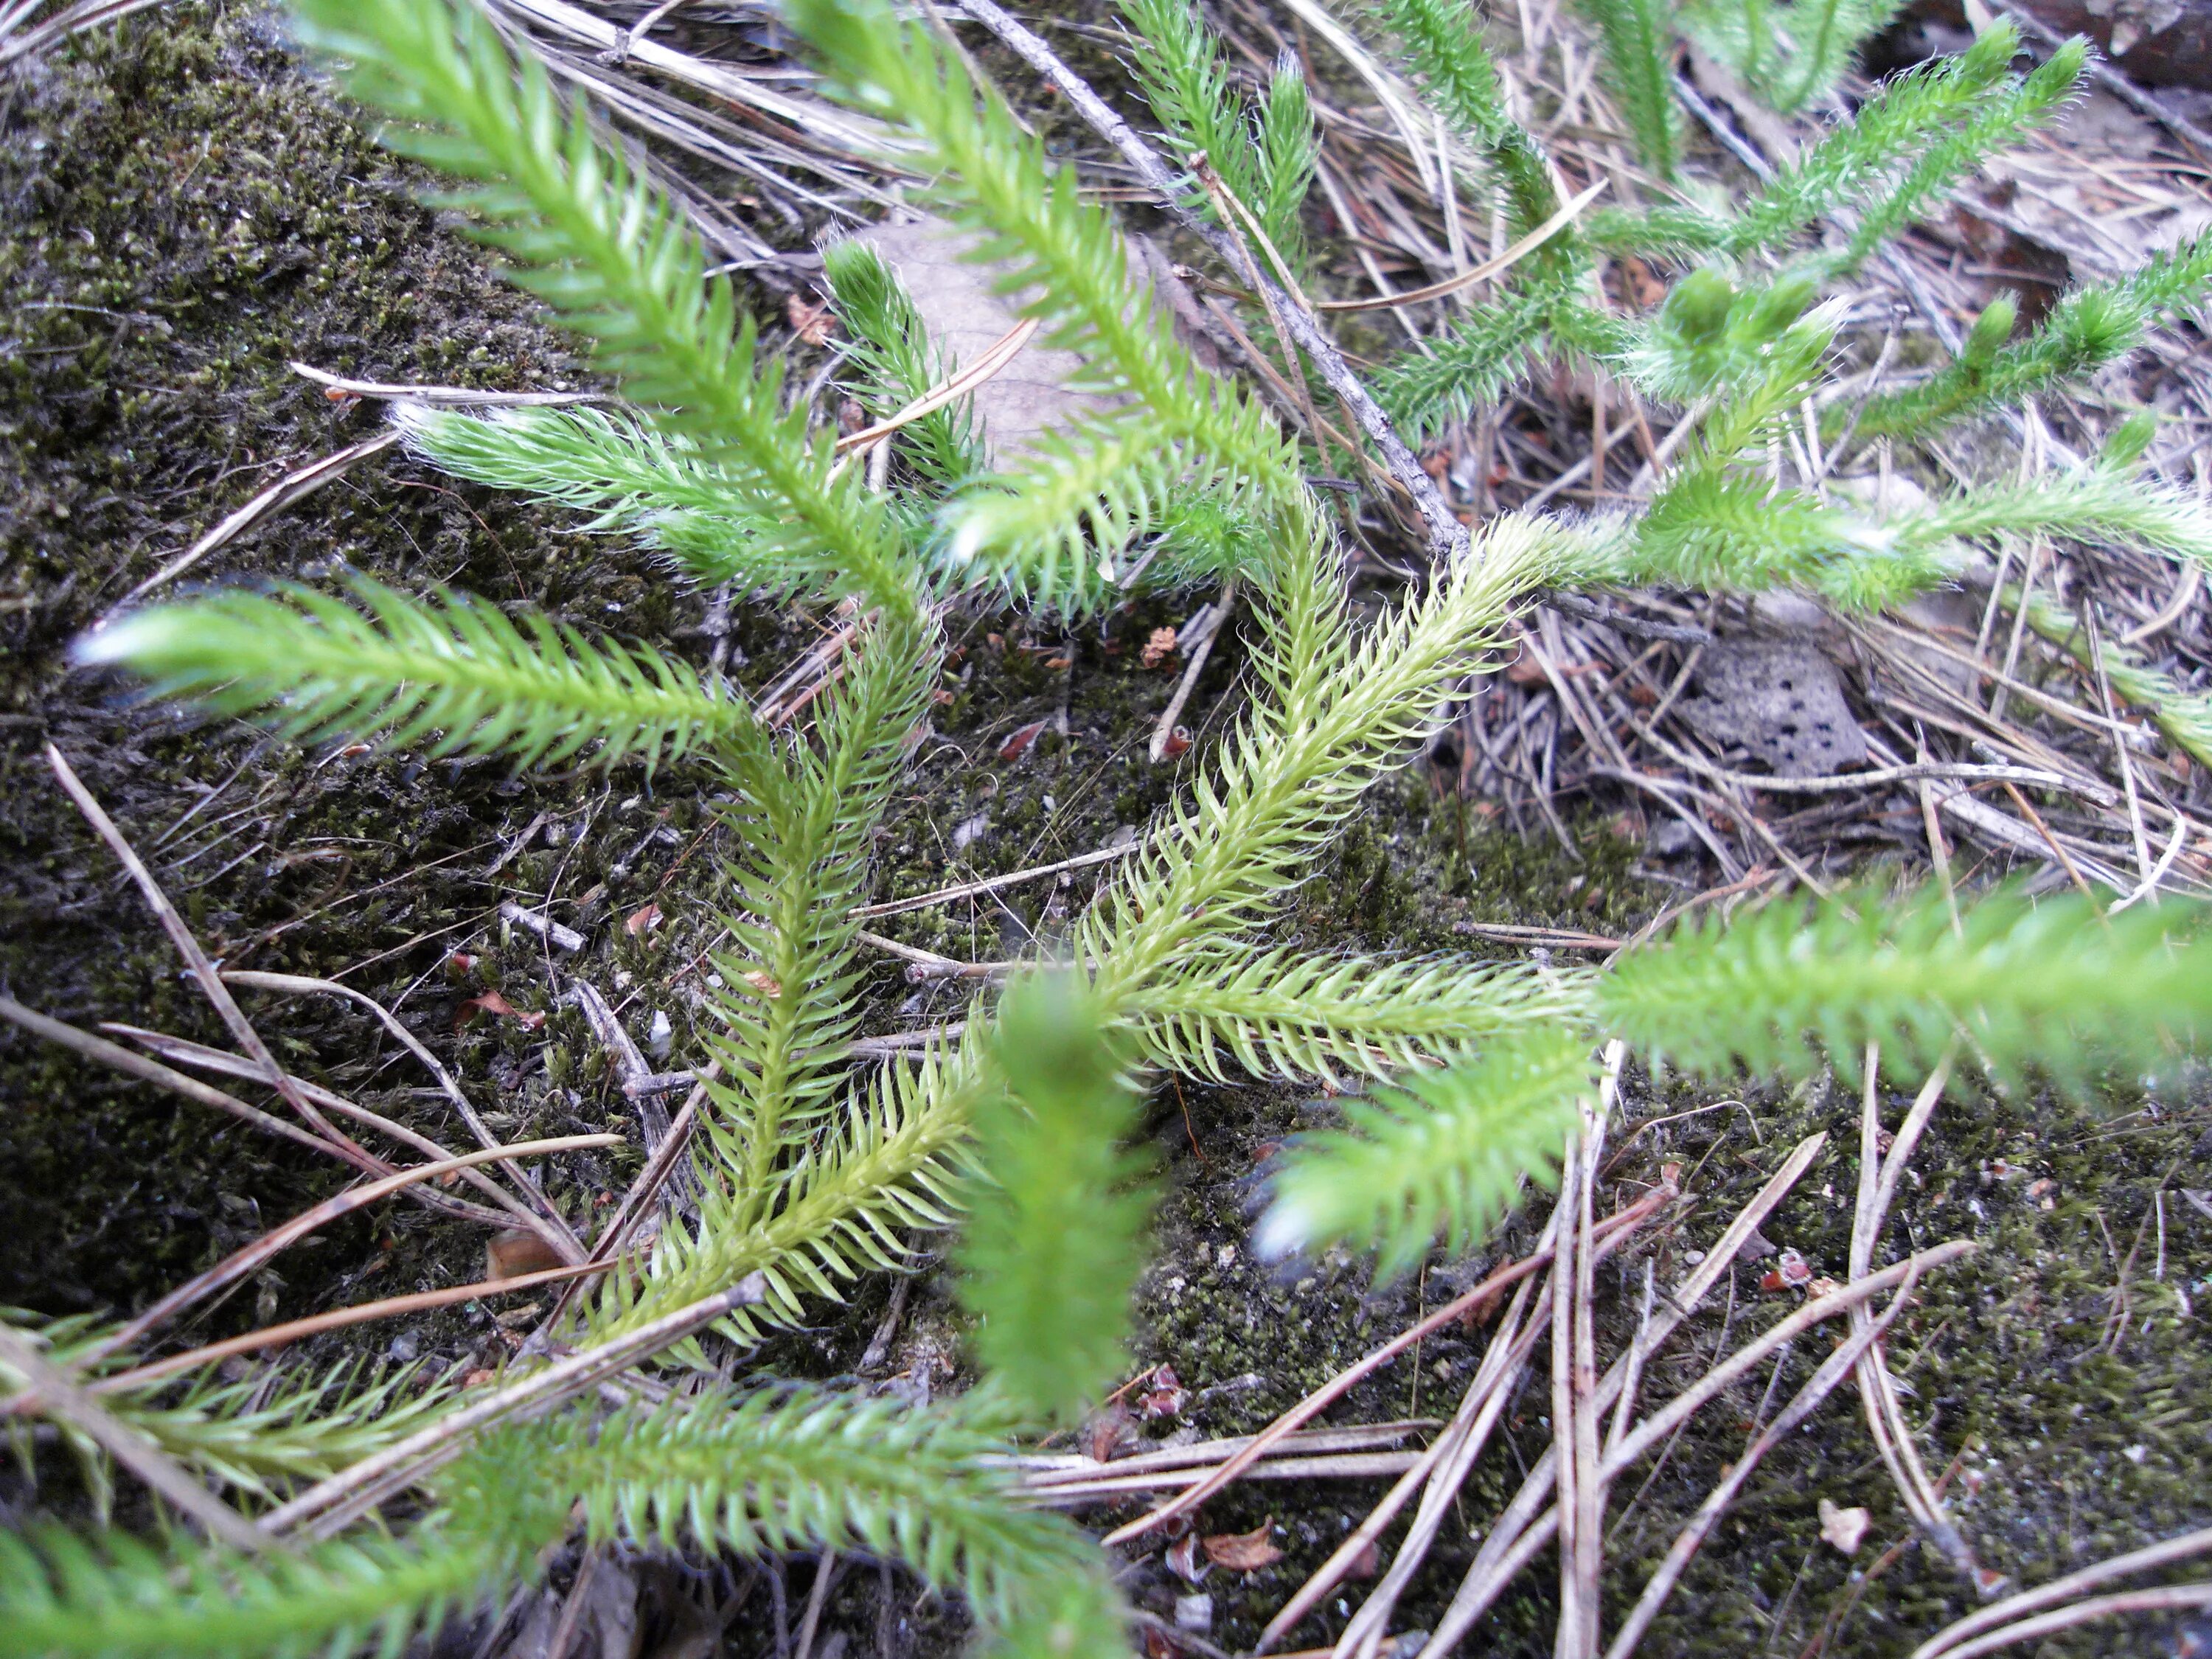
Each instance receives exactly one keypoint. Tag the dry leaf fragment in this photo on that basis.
(492, 1003)
(1183, 1560)
(512, 1253)
(1244, 1551)
(814, 323)
(1018, 744)
(764, 981)
(1845, 1528)
(1789, 1272)
(642, 920)
(1159, 647)
(1164, 1395)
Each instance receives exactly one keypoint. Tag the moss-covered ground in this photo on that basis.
(184, 213)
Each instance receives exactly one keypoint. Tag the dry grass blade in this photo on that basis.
(210, 982)
(47, 1390)
(390, 1307)
(1885, 1414)
(1489, 268)
(337, 388)
(1786, 1422)
(2169, 1599)
(123, 1059)
(546, 1223)
(185, 1052)
(2150, 1558)
(292, 487)
(327, 1509)
(949, 390)
(17, 42)
(277, 1239)
(1522, 1531)
(1440, 1470)
(1613, 1228)
(1490, 1571)
(1446, 535)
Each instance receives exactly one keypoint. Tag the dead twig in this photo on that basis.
(48, 1389)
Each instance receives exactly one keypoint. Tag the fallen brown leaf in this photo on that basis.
(1244, 1551)
(814, 323)
(642, 920)
(492, 1003)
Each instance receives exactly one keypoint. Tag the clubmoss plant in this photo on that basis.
(809, 1169)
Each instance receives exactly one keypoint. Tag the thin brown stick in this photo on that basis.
(191, 1088)
(329, 1505)
(210, 982)
(272, 1243)
(1613, 1228)
(988, 884)
(51, 1391)
(1447, 535)
(2146, 1559)
(337, 1319)
(1832, 1371)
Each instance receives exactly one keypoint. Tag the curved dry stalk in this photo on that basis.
(332, 1505)
(210, 982)
(243, 1261)
(2150, 1557)
(2165, 1599)
(390, 1307)
(549, 1224)
(1692, 1538)
(185, 1052)
(191, 1088)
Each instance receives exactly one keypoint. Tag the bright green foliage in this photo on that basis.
(398, 669)
(59, 1598)
(810, 1173)
(784, 1469)
(1443, 1157)
(1279, 1013)
(1792, 54)
(2006, 116)
(2186, 717)
(1266, 161)
(892, 364)
(1636, 38)
(629, 475)
(1055, 1226)
(1068, 515)
(2088, 329)
(1795, 986)
(614, 259)
(248, 1435)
